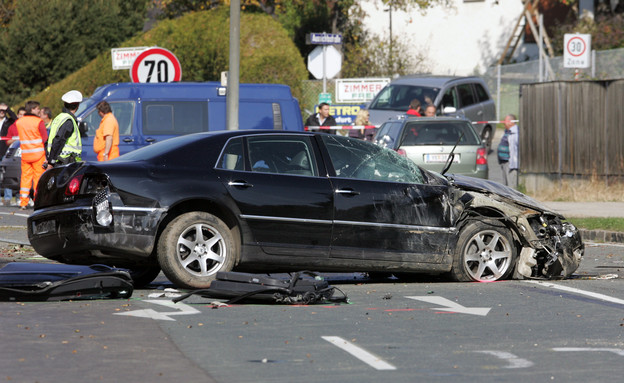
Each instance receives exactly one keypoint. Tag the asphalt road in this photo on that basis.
(425, 330)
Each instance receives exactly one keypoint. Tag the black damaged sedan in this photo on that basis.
(266, 201)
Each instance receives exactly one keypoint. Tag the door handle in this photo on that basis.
(240, 184)
(150, 139)
(128, 139)
(347, 192)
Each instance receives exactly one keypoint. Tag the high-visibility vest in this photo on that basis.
(73, 145)
(31, 141)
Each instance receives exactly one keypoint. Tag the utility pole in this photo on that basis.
(233, 80)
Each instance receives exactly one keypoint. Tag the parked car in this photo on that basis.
(11, 168)
(267, 201)
(464, 96)
(429, 141)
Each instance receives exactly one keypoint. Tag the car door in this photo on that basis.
(469, 104)
(383, 209)
(276, 184)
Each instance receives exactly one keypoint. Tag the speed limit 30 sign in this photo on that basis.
(576, 50)
(156, 65)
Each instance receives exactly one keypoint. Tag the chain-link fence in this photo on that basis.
(504, 81)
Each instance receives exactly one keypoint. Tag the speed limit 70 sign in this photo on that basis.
(576, 50)
(156, 65)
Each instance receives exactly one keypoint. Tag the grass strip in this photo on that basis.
(598, 223)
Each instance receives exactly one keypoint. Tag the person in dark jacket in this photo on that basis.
(7, 118)
(322, 118)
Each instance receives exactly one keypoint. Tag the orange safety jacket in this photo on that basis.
(31, 141)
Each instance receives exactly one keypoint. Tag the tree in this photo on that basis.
(46, 41)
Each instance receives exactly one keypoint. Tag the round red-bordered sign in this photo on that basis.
(576, 40)
(156, 65)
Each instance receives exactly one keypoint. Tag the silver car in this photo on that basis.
(429, 141)
(462, 96)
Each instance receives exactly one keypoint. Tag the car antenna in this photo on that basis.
(451, 156)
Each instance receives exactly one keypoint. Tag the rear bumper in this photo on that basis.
(71, 235)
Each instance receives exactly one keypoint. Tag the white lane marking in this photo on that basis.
(153, 314)
(16, 214)
(602, 297)
(451, 306)
(514, 361)
(618, 351)
(363, 355)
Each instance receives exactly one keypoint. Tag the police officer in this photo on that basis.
(64, 143)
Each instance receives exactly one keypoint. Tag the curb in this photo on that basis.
(603, 236)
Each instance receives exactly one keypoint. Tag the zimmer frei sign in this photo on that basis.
(358, 89)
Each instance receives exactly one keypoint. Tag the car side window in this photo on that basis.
(232, 157)
(362, 160)
(482, 94)
(123, 112)
(465, 94)
(450, 99)
(174, 117)
(282, 155)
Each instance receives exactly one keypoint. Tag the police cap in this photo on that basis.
(72, 97)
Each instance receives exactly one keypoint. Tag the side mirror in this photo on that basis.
(83, 127)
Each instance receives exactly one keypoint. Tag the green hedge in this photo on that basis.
(201, 42)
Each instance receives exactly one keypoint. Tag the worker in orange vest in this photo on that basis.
(32, 134)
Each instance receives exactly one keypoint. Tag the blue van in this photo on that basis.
(149, 113)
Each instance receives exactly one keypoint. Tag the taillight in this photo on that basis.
(481, 157)
(73, 187)
(401, 152)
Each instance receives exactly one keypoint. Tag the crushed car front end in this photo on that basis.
(550, 247)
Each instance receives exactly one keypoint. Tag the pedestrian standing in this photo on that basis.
(7, 118)
(106, 141)
(322, 118)
(508, 152)
(32, 134)
(64, 143)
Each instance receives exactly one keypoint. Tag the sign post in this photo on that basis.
(576, 51)
(156, 65)
(324, 62)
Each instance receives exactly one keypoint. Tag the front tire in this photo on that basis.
(194, 247)
(485, 252)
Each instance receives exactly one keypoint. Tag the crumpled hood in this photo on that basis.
(486, 186)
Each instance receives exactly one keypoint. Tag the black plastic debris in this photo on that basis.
(303, 287)
(26, 282)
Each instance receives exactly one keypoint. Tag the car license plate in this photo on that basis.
(439, 158)
(44, 227)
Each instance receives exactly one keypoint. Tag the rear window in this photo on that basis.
(440, 133)
(398, 97)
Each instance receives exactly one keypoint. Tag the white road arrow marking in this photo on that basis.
(514, 361)
(451, 306)
(182, 308)
(358, 352)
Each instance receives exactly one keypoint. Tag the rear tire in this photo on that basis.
(485, 252)
(486, 137)
(194, 247)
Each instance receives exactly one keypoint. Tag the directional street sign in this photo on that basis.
(156, 65)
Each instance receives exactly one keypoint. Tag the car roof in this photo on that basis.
(430, 80)
(429, 119)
